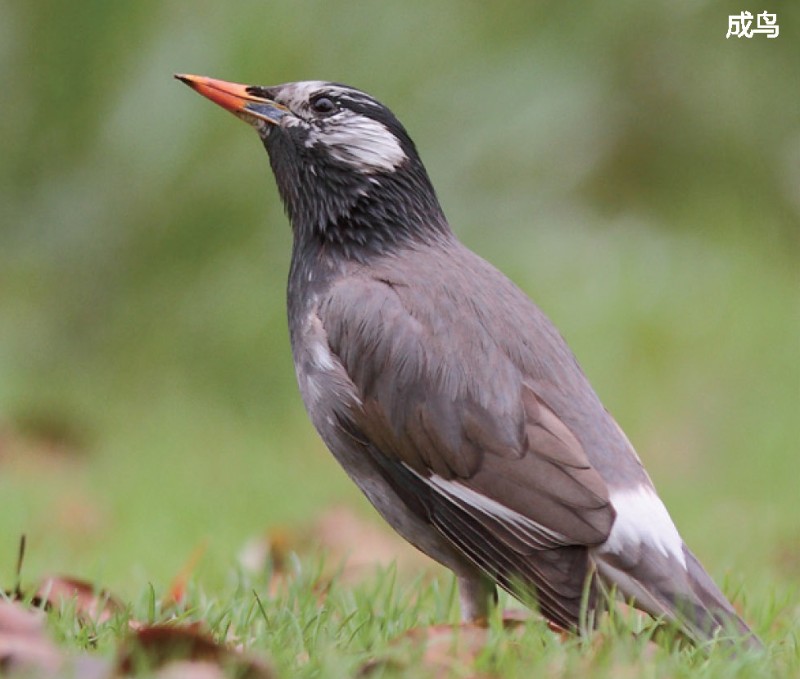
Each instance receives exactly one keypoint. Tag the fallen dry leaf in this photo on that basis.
(42, 442)
(16, 619)
(786, 556)
(353, 546)
(447, 650)
(177, 590)
(168, 648)
(91, 603)
(77, 516)
(27, 651)
(362, 545)
(191, 669)
(450, 647)
(24, 645)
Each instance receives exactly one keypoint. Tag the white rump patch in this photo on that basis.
(642, 519)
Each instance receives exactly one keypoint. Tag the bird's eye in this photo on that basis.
(323, 105)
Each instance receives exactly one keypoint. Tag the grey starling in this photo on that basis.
(444, 392)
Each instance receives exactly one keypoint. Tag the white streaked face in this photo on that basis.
(341, 119)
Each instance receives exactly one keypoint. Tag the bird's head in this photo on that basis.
(346, 169)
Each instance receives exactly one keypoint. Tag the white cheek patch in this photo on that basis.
(360, 142)
(351, 138)
(642, 520)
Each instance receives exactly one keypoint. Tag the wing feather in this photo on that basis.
(500, 475)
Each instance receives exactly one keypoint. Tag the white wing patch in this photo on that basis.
(526, 529)
(642, 519)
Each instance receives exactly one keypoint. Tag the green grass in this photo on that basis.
(709, 408)
(315, 628)
(633, 170)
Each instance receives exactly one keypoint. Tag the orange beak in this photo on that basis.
(236, 98)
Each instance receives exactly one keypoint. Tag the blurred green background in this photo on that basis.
(630, 168)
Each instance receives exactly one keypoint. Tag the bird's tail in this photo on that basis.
(685, 595)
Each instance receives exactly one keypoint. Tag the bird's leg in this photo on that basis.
(476, 594)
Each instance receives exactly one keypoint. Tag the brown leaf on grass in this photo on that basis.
(177, 590)
(24, 645)
(446, 650)
(18, 620)
(39, 439)
(272, 548)
(362, 545)
(191, 669)
(53, 428)
(91, 603)
(77, 516)
(353, 546)
(171, 649)
(786, 556)
(449, 648)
